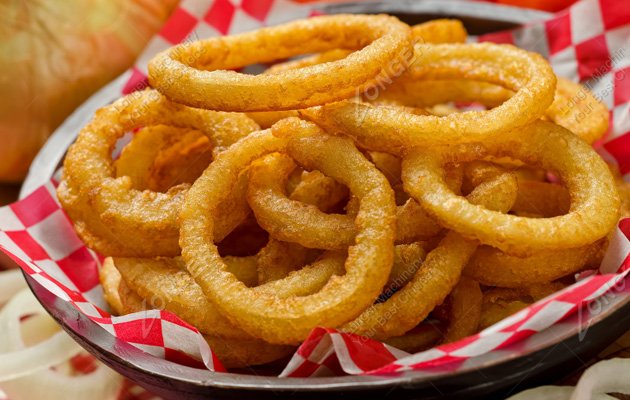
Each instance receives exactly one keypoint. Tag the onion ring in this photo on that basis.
(244, 268)
(109, 215)
(465, 313)
(493, 312)
(439, 273)
(277, 259)
(574, 106)
(407, 259)
(17, 360)
(595, 203)
(298, 222)
(500, 303)
(319, 190)
(535, 198)
(110, 281)
(287, 219)
(492, 267)
(436, 31)
(264, 315)
(196, 73)
(389, 165)
(164, 283)
(239, 353)
(541, 198)
(390, 130)
(440, 31)
(578, 110)
(232, 352)
(421, 338)
(267, 118)
(160, 157)
(430, 92)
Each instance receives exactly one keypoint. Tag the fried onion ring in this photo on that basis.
(574, 106)
(239, 353)
(233, 353)
(407, 259)
(165, 283)
(437, 31)
(431, 92)
(439, 273)
(111, 216)
(541, 198)
(421, 338)
(390, 130)
(465, 312)
(440, 31)
(493, 267)
(595, 203)
(578, 110)
(263, 314)
(535, 198)
(500, 303)
(110, 280)
(298, 222)
(494, 311)
(277, 259)
(160, 157)
(196, 74)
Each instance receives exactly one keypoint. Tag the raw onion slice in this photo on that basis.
(609, 376)
(19, 360)
(30, 347)
(101, 384)
(11, 282)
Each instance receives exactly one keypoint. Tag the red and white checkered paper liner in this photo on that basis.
(589, 42)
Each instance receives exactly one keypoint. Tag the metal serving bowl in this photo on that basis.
(540, 359)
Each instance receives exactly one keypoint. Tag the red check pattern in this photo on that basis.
(589, 42)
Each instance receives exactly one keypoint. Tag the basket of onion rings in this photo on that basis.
(402, 188)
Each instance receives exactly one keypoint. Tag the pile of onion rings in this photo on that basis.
(351, 189)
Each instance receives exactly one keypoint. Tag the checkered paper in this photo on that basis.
(589, 42)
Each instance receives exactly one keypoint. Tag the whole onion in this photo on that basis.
(53, 55)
